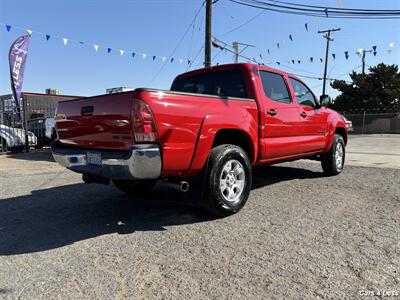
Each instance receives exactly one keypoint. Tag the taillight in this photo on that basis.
(144, 127)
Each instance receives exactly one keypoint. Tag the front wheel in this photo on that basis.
(333, 161)
(134, 187)
(229, 179)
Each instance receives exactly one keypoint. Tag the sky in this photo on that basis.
(169, 28)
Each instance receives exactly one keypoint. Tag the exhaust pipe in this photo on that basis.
(182, 186)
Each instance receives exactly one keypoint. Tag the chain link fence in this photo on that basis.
(27, 130)
(368, 123)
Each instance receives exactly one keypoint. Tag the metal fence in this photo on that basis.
(368, 123)
(26, 130)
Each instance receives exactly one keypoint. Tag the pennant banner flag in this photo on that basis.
(280, 45)
(17, 60)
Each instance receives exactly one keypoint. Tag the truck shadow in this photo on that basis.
(59, 216)
(40, 155)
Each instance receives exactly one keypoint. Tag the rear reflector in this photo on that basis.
(144, 127)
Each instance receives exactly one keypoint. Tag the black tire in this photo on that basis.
(3, 145)
(330, 164)
(133, 187)
(215, 197)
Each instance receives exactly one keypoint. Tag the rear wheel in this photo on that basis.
(3, 145)
(228, 181)
(333, 161)
(134, 187)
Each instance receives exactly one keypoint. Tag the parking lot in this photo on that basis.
(301, 235)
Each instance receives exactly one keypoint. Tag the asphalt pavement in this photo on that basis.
(301, 235)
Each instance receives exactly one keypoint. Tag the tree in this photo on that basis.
(379, 90)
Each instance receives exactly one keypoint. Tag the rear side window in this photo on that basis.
(275, 87)
(303, 94)
(224, 84)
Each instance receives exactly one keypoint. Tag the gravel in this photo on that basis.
(301, 235)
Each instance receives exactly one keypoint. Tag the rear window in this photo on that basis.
(275, 87)
(224, 84)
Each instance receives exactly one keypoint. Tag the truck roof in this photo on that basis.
(248, 66)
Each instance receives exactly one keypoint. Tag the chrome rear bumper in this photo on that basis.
(141, 162)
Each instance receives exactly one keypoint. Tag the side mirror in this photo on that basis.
(324, 100)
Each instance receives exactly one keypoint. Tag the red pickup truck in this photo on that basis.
(215, 122)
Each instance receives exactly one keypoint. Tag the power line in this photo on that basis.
(328, 12)
(243, 24)
(177, 46)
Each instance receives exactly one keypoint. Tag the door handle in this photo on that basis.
(272, 112)
(303, 114)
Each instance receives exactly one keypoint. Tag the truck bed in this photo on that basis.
(105, 122)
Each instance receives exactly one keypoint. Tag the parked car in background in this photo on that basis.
(349, 124)
(209, 130)
(50, 130)
(13, 139)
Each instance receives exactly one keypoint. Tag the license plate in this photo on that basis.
(93, 158)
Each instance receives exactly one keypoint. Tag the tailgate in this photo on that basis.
(102, 122)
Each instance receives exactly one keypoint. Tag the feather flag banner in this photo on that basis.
(17, 60)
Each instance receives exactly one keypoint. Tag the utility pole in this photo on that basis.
(362, 53)
(235, 47)
(327, 35)
(207, 46)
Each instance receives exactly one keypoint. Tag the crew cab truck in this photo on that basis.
(215, 122)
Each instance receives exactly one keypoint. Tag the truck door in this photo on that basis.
(279, 137)
(313, 119)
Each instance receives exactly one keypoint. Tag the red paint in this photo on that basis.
(187, 123)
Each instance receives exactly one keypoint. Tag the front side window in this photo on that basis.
(221, 83)
(303, 94)
(275, 87)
